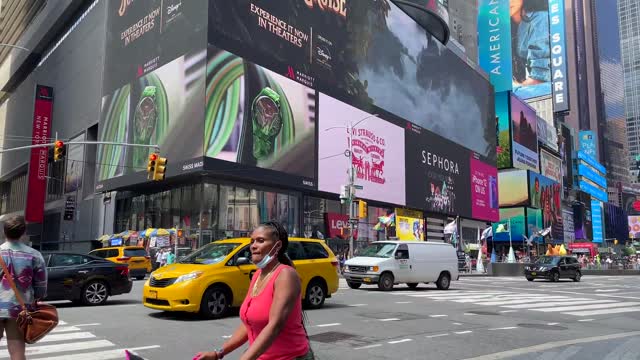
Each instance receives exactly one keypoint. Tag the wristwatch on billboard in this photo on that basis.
(146, 115)
(267, 122)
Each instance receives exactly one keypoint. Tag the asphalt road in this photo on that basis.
(478, 318)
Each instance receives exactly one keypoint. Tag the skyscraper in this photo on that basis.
(463, 23)
(629, 11)
(611, 95)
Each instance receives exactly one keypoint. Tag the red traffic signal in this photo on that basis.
(153, 157)
(59, 144)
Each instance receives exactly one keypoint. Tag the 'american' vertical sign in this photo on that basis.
(37, 182)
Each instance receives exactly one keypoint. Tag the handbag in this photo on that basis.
(34, 325)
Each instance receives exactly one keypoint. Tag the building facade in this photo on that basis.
(629, 13)
(251, 132)
(463, 22)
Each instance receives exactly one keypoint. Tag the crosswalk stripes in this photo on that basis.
(579, 305)
(70, 342)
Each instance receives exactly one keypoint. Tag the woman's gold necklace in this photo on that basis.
(257, 286)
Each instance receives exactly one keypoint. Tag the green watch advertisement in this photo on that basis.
(258, 118)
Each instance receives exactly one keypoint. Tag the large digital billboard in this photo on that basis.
(503, 125)
(511, 226)
(439, 177)
(255, 117)
(484, 190)
(371, 53)
(550, 166)
(559, 72)
(514, 44)
(524, 135)
(545, 194)
(375, 148)
(153, 88)
(513, 188)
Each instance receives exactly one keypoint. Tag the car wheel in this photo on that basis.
(386, 282)
(529, 278)
(315, 295)
(577, 277)
(140, 277)
(555, 276)
(354, 285)
(215, 303)
(412, 285)
(95, 293)
(444, 281)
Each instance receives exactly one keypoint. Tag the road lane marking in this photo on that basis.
(368, 347)
(356, 305)
(463, 332)
(457, 324)
(508, 311)
(436, 336)
(438, 316)
(551, 345)
(65, 329)
(552, 324)
(588, 307)
(58, 348)
(607, 290)
(521, 301)
(59, 337)
(558, 303)
(469, 314)
(389, 319)
(604, 312)
(503, 328)
(403, 302)
(91, 324)
(586, 320)
(101, 355)
(328, 325)
(400, 341)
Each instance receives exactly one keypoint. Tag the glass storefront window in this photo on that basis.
(242, 217)
(226, 219)
(165, 210)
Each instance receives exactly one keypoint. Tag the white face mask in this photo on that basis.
(267, 259)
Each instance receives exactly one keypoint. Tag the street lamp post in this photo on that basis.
(350, 187)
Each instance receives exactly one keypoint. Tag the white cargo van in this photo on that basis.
(386, 263)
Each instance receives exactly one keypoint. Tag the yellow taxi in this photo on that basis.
(135, 256)
(216, 277)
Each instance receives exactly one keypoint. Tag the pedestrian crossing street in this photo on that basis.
(73, 342)
(574, 305)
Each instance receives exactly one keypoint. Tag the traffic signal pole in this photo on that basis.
(155, 147)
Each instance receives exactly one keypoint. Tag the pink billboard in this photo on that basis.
(377, 152)
(484, 190)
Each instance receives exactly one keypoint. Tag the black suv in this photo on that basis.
(554, 268)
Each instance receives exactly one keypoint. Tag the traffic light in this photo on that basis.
(151, 166)
(58, 150)
(161, 166)
(362, 209)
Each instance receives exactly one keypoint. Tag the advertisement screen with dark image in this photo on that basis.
(378, 152)
(438, 174)
(144, 35)
(361, 53)
(524, 135)
(258, 118)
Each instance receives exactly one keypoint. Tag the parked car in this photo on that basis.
(85, 279)
(216, 277)
(554, 268)
(386, 263)
(135, 256)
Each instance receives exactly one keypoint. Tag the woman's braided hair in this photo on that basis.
(278, 232)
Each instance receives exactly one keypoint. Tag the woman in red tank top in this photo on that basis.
(271, 313)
